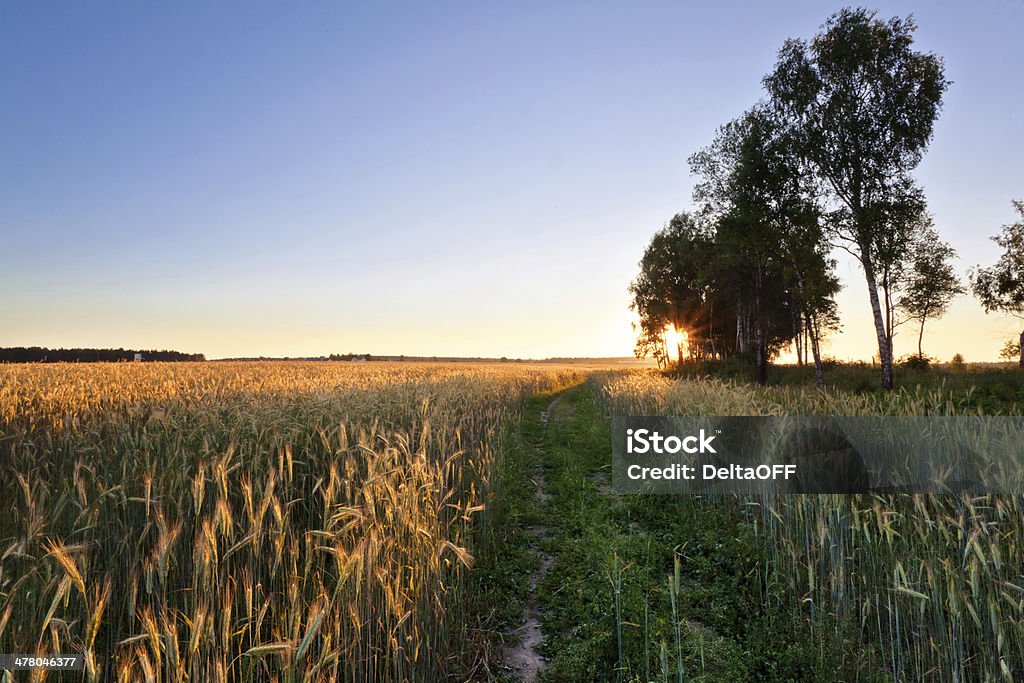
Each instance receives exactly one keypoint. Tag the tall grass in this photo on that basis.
(934, 584)
(247, 521)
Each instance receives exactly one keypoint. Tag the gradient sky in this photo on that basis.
(428, 179)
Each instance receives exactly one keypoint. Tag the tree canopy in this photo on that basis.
(862, 104)
(673, 289)
(930, 283)
(1000, 287)
(768, 226)
(37, 354)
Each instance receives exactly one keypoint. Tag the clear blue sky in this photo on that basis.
(453, 178)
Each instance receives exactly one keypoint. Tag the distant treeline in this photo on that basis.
(37, 354)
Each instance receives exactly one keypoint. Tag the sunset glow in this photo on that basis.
(674, 341)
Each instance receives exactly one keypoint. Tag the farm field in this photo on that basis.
(840, 587)
(418, 521)
(248, 521)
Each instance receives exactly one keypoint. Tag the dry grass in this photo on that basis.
(251, 521)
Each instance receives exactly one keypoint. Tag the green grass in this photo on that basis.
(992, 389)
(608, 596)
(925, 587)
(506, 554)
(668, 588)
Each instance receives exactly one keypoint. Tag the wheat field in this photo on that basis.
(247, 521)
(934, 584)
(316, 521)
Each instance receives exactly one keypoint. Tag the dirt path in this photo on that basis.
(606, 548)
(522, 657)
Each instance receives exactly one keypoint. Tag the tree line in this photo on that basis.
(822, 162)
(37, 354)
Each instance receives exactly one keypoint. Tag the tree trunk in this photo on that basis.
(803, 331)
(739, 331)
(761, 337)
(890, 328)
(819, 369)
(884, 349)
(920, 336)
(1022, 349)
(798, 336)
(762, 358)
(711, 329)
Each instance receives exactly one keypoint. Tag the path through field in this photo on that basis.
(523, 657)
(599, 605)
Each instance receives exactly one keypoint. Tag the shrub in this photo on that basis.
(915, 362)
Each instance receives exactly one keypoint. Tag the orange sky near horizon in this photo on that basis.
(578, 332)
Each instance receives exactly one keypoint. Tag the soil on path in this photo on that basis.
(522, 656)
(614, 526)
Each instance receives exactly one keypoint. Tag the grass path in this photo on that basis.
(592, 586)
(522, 655)
(611, 559)
(579, 584)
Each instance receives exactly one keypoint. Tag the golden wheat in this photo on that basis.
(247, 521)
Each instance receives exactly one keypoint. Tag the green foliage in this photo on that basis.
(674, 287)
(864, 102)
(929, 283)
(1000, 287)
(652, 567)
(916, 362)
(1010, 350)
(872, 587)
(769, 233)
(863, 105)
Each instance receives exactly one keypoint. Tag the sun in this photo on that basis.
(675, 339)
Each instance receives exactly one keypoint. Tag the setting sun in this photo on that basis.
(675, 341)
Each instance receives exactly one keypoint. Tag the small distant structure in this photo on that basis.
(138, 358)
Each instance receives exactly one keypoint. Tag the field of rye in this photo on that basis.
(244, 521)
(895, 587)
